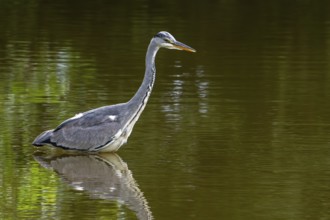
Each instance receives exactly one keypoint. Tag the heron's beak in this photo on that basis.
(181, 46)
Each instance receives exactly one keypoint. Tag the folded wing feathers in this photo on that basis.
(86, 131)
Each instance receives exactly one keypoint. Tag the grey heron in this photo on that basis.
(107, 128)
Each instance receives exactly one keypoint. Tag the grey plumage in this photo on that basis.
(107, 128)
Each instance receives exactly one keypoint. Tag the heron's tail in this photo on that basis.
(43, 138)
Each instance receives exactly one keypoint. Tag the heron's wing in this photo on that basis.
(87, 131)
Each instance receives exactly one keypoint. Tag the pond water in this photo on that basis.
(238, 130)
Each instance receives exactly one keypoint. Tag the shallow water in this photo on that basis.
(238, 130)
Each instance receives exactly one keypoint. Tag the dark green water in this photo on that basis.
(238, 130)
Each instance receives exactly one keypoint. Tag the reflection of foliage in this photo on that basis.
(261, 88)
(35, 75)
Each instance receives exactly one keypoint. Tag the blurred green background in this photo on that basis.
(239, 130)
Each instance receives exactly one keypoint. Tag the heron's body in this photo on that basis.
(107, 128)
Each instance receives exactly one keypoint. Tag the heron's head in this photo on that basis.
(166, 40)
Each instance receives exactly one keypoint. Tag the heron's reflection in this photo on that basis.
(104, 176)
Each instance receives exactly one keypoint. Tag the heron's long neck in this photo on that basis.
(140, 98)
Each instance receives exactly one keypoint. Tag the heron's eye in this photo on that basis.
(167, 40)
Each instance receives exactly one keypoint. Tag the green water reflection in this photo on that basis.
(104, 176)
(239, 130)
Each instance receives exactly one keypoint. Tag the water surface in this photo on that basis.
(238, 130)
